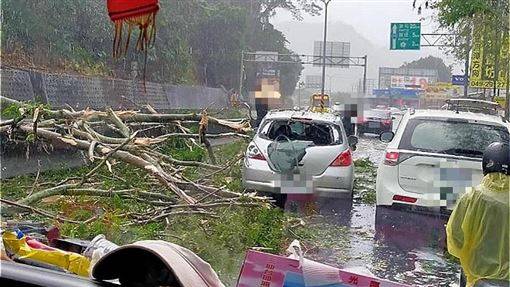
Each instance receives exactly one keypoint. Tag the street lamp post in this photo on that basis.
(301, 85)
(326, 3)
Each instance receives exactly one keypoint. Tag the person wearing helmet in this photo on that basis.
(478, 228)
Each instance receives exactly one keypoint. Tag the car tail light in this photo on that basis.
(253, 152)
(391, 158)
(404, 198)
(386, 122)
(258, 156)
(343, 159)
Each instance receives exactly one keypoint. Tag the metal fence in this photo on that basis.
(79, 92)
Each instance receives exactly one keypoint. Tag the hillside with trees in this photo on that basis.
(197, 42)
(444, 72)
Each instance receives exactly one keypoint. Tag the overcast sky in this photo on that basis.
(372, 19)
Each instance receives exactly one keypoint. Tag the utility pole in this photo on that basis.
(496, 64)
(241, 76)
(365, 77)
(466, 64)
(301, 85)
(326, 3)
(497, 48)
(507, 101)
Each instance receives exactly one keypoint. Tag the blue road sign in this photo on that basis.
(397, 93)
(458, 80)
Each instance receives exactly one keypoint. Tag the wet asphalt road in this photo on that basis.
(397, 245)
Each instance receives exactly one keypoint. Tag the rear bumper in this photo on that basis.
(387, 187)
(333, 182)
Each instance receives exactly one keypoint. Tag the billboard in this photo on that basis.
(385, 74)
(333, 49)
(483, 59)
(411, 82)
(398, 93)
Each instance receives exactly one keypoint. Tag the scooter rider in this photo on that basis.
(478, 229)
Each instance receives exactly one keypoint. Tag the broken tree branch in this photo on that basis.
(39, 211)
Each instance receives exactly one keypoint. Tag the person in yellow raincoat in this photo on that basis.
(478, 228)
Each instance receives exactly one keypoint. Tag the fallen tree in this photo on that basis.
(124, 136)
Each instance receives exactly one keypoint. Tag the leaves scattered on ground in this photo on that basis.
(365, 174)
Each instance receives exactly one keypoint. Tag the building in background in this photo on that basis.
(401, 87)
(406, 77)
(396, 97)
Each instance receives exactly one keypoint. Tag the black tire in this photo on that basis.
(280, 199)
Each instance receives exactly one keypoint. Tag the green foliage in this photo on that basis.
(223, 241)
(11, 111)
(198, 42)
(463, 16)
(450, 12)
(364, 182)
(179, 149)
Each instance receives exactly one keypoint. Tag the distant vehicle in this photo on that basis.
(396, 111)
(325, 169)
(375, 121)
(433, 156)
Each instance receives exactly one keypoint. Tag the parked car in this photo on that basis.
(433, 156)
(375, 121)
(325, 169)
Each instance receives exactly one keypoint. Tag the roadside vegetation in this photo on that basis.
(222, 239)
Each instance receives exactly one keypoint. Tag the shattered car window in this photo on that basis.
(316, 132)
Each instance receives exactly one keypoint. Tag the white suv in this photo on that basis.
(433, 156)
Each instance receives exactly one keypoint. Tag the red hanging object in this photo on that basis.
(133, 13)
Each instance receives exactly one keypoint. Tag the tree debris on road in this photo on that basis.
(109, 136)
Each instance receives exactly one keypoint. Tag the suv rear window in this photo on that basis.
(451, 137)
(320, 133)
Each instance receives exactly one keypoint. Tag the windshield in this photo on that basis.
(319, 133)
(451, 137)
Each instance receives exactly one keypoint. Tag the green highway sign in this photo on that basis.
(405, 36)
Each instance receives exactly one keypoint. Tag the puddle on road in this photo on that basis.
(396, 245)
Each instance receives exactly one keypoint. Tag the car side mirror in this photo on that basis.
(393, 118)
(353, 141)
(386, 137)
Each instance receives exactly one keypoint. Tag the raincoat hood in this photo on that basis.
(478, 230)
